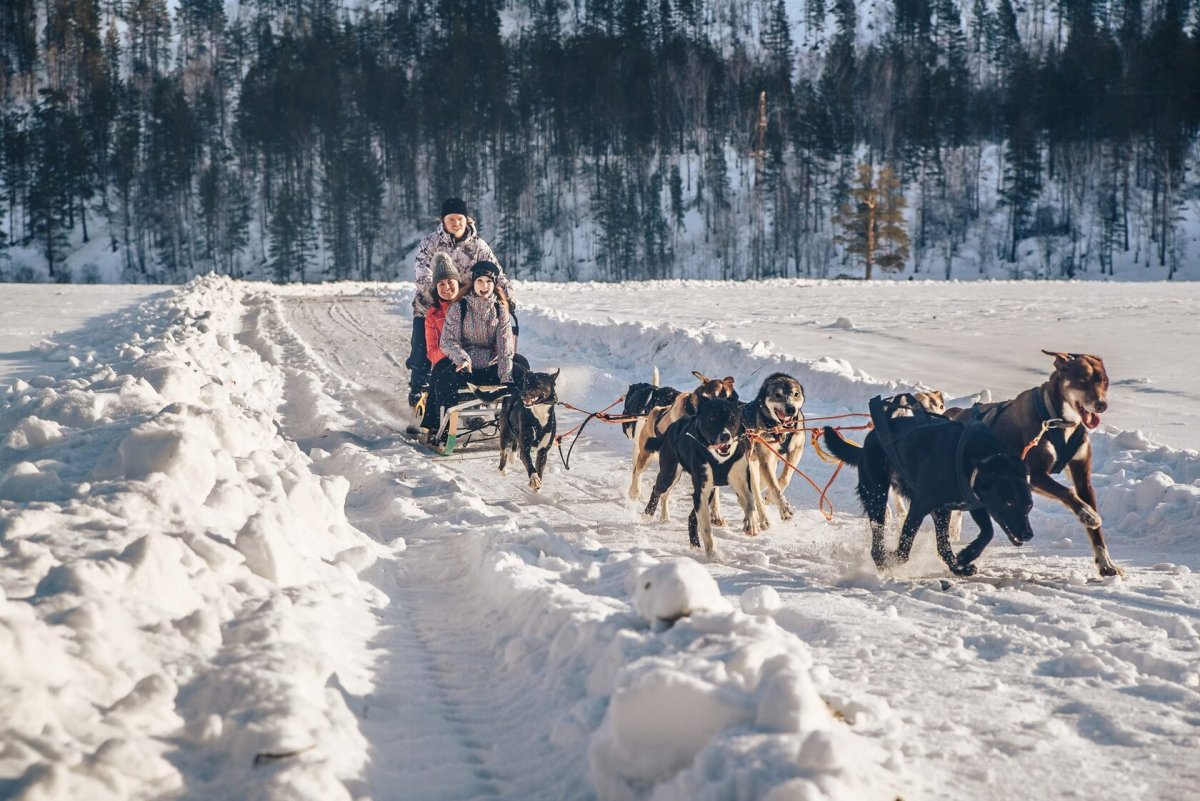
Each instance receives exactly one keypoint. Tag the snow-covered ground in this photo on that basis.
(226, 574)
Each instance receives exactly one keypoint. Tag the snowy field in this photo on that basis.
(225, 574)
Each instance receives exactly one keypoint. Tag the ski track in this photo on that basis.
(1064, 655)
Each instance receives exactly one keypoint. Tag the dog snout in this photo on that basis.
(724, 437)
(789, 410)
(1101, 406)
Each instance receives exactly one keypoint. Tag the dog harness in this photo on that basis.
(1064, 448)
(881, 414)
(1052, 428)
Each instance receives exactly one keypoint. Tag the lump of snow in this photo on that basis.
(788, 701)
(671, 590)
(1133, 441)
(33, 432)
(844, 323)
(760, 600)
(152, 448)
(1151, 489)
(658, 722)
(25, 482)
(270, 552)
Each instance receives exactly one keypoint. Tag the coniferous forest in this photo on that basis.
(148, 141)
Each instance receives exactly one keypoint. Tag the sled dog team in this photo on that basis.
(932, 461)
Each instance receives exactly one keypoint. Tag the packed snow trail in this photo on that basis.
(1035, 660)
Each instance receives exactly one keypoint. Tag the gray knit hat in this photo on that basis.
(444, 268)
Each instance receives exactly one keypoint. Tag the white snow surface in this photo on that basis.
(225, 573)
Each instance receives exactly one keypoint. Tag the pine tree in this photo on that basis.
(872, 224)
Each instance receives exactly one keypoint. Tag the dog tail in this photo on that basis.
(840, 448)
(654, 444)
(654, 380)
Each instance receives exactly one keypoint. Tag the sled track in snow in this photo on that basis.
(1112, 652)
(443, 704)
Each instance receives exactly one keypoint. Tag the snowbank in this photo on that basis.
(168, 558)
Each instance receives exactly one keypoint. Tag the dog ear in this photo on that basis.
(701, 377)
(1059, 358)
(728, 381)
(554, 375)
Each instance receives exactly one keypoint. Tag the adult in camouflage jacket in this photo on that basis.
(458, 237)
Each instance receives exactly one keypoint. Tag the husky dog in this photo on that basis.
(776, 412)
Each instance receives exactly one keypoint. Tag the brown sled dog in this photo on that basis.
(1057, 417)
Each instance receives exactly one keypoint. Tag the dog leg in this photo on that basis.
(535, 480)
(641, 458)
(774, 490)
(1081, 476)
(986, 531)
(744, 486)
(874, 500)
(908, 532)
(956, 521)
(960, 565)
(900, 503)
(668, 473)
(505, 439)
(1085, 510)
(715, 509)
(702, 492)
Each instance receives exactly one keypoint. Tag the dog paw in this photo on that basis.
(1108, 567)
(535, 482)
(763, 523)
(786, 512)
(963, 570)
(1089, 517)
(634, 495)
(718, 521)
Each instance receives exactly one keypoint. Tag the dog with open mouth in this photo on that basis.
(528, 423)
(1048, 426)
(659, 419)
(712, 448)
(777, 413)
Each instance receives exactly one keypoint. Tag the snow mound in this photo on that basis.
(671, 590)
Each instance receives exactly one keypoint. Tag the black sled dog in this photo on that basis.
(711, 447)
(939, 466)
(641, 399)
(528, 423)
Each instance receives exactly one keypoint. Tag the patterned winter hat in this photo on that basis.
(481, 268)
(444, 268)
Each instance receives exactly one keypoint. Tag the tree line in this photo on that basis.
(611, 139)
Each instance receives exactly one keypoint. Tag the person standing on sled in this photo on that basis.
(478, 342)
(457, 237)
